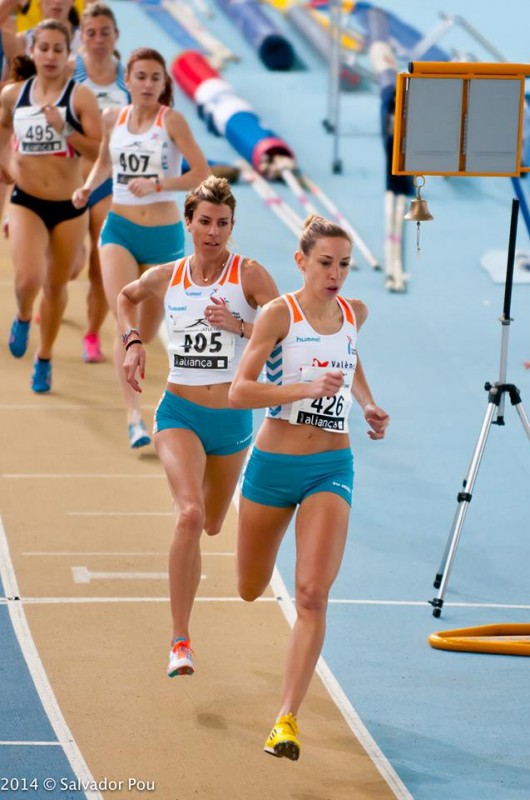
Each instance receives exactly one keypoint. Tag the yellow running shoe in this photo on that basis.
(283, 739)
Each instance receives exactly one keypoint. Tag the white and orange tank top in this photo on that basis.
(302, 356)
(151, 154)
(199, 353)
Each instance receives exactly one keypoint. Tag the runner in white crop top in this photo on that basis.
(302, 463)
(211, 300)
(150, 155)
(142, 145)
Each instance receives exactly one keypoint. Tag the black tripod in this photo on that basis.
(496, 397)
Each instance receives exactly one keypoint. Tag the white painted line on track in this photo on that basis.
(31, 744)
(342, 702)
(38, 673)
(30, 601)
(277, 599)
(337, 694)
(120, 513)
(84, 575)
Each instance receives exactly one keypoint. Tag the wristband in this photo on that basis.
(158, 184)
(129, 333)
(134, 341)
(242, 329)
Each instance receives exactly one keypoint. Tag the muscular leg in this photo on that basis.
(28, 244)
(184, 461)
(321, 528)
(97, 306)
(260, 532)
(65, 241)
(220, 481)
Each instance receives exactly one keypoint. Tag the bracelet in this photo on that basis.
(242, 329)
(134, 341)
(129, 333)
(158, 184)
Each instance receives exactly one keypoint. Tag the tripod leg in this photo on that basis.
(463, 498)
(524, 419)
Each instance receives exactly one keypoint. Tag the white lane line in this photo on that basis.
(31, 601)
(276, 599)
(79, 553)
(31, 744)
(80, 476)
(120, 513)
(38, 673)
(338, 696)
(342, 702)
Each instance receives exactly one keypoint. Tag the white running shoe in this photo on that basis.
(138, 436)
(180, 659)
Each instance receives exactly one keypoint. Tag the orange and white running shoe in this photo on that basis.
(283, 739)
(180, 659)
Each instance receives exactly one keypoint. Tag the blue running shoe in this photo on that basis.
(138, 436)
(41, 380)
(18, 338)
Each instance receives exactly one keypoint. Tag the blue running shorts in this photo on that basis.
(222, 431)
(105, 190)
(148, 245)
(276, 479)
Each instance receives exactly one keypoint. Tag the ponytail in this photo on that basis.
(21, 68)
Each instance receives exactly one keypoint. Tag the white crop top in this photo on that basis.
(151, 154)
(200, 354)
(302, 356)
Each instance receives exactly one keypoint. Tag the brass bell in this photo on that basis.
(419, 210)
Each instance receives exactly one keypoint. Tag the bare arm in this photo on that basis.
(247, 391)
(7, 7)
(180, 133)
(7, 99)
(153, 283)
(87, 110)
(102, 168)
(375, 416)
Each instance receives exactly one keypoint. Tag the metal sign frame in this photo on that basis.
(460, 118)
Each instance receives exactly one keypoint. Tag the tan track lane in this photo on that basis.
(78, 505)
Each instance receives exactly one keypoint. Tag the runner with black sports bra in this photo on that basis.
(142, 149)
(54, 121)
(210, 300)
(302, 461)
